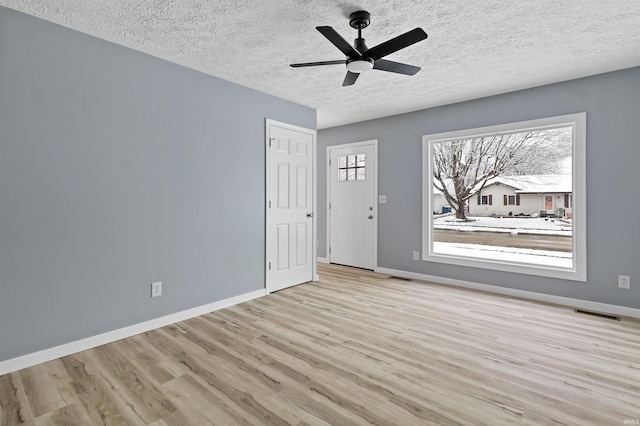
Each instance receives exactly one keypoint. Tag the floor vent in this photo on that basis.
(598, 314)
(393, 277)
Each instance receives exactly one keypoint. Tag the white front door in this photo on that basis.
(290, 230)
(352, 204)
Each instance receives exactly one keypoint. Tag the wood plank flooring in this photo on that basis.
(355, 348)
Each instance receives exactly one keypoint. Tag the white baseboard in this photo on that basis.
(323, 260)
(50, 354)
(541, 297)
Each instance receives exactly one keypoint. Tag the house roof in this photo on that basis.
(448, 182)
(511, 45)
(533, 184)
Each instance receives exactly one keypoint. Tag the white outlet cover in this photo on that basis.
(382, 199)
(624, 281)
(156, 289)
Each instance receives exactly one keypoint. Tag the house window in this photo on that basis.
(512, 200)
(534, 158)
(568, 201)
(352, 167)
(485, 200)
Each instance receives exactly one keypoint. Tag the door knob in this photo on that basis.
(370, 216)
(309, 214)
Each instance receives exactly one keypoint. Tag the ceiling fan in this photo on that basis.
(360, 58)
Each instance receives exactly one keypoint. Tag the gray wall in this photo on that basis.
(612, 104)
(118, 169)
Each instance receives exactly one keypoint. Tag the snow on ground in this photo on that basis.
(508, 254)
(521, 225)
(513, 225)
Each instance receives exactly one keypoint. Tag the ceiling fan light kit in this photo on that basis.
(359, 65)
(359, 58)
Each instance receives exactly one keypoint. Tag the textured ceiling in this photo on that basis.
(474, 49)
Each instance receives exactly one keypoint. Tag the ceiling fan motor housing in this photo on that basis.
(359, 45)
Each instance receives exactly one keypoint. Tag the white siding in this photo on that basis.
(439, 201)
(529, 203)
(497, 207)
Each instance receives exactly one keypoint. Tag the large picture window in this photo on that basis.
(509, 197)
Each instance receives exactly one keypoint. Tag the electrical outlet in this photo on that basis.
(416, 255)
(624, 281)
(156, 289)
(382, 199)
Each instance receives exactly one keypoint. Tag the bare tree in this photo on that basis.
(469, 163)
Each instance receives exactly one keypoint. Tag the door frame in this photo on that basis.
(373, 142)
(314, 226)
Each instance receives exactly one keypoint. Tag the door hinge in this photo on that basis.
(270, 140)
(329, 250)
(269, 265)
(329, 206)
(269, 203)
(329, 161)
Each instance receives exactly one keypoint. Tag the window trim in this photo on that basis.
(578, 272)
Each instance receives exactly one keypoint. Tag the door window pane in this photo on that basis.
(352, 167)
(351, 174)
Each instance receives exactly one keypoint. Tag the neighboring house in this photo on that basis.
(527, 194)
(440, 204)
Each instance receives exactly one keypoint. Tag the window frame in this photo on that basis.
(578, 271)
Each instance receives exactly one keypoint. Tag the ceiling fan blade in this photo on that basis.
(337, 40)
(397, 67)
(396, 43)
(313, 64)
(350, 78)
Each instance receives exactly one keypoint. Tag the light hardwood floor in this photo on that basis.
(355, 348)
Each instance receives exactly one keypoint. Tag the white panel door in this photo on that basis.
(353, 212)
(290, 203)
